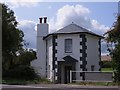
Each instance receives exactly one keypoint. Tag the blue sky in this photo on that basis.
(104, 12)
(95, 16)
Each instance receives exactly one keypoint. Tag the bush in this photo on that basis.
(21, 72)
(106, 64)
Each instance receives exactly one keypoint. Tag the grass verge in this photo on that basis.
(106, 69)
(97, 83)
(25, 82)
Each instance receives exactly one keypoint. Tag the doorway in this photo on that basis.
(67, 74)
(64, 68)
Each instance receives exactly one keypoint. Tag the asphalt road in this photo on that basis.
(57, 87)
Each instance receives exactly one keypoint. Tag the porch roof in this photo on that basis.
(69, 59)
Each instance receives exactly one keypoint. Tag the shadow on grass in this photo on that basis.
(11, 81)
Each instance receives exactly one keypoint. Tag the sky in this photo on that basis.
(97, 17)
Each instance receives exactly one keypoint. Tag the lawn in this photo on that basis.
(106, 69)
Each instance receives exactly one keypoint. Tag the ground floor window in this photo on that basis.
(92, 67)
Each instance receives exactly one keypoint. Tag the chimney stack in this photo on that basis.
(40, 20)
(42, 31)
(45, 19)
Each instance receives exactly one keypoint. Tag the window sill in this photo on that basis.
(68, 53)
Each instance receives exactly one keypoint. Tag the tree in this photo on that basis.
(15, 59)
(26, 56)
(12, 37)
(113, 40)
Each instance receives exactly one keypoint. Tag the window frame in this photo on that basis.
(66, 51)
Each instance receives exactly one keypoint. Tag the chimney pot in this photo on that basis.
(45, 19)
(40, 20)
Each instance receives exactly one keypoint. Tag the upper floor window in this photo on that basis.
(68, 45)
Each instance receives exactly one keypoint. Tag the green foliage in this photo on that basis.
(116, 62)
(23, 72)
(21, 68)
(106, 64)
(12, 37)
(26, 56)
(114, 37)
(114, 32)
(15, 59)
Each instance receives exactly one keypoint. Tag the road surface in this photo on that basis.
(57, 87)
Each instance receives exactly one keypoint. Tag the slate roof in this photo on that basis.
(73, 29)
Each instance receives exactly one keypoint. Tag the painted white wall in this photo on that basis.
(40, 63)
(49, 59)
(61, 46)
(42, 29)
(92, 52)
(75, 49)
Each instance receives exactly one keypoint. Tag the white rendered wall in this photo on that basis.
(49, 59)
(75, 50)
(92, 52)
(40, 63)
(61, 46)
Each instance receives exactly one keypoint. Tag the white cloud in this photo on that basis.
(77, 14)
(98, 28)
(22, 3)
(68, 14)
(28, 27)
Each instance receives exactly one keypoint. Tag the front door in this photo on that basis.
(67, 74)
